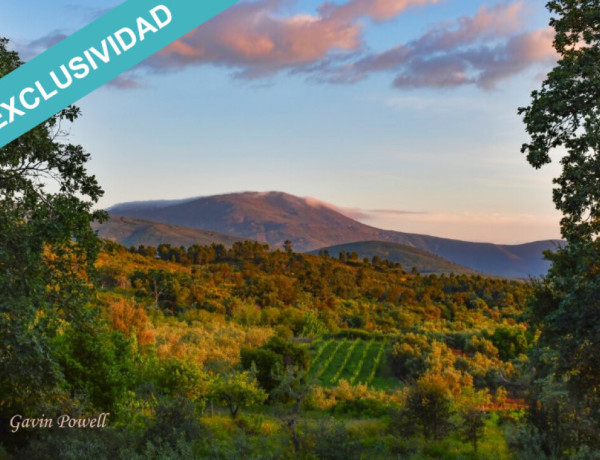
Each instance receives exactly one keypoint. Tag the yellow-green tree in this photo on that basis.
(236, 390)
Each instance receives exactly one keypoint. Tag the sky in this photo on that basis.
(402, 113)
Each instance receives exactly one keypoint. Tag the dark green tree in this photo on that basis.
(265, 362)
(47, 250)
(510, 341)
(564, 118)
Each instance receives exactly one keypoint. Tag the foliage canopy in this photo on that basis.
(565, 115)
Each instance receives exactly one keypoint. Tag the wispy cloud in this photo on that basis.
(87, 14)
(126, 81)
(367, 214)
(39, 45)
(395, 211)
(378, 10)
(472, 226)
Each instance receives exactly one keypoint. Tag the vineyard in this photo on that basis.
(356, 361)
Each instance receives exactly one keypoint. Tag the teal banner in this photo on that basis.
(94, 56)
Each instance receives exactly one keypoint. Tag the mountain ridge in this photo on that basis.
(130, 231)
(310, 224)
(425, 262)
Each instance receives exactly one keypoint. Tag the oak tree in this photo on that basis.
(564, 120)
(47, 249)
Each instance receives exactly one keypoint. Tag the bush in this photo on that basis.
(510, 341)
(331, 441)
(175, 421)
(276, 354)
(266, 362)
(409, 353)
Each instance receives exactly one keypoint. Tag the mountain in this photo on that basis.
(274, 217)
(409, 257)
(134, 232)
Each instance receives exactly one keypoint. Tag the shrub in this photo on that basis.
(331, 441)
(277, 353)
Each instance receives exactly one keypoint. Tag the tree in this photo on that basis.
(183, 379)
(236, 390)
(265, 362)
(47, 251)
(293, 389)
(510, 341)
(161, 285)
(565, 114)
(96, 362)
(429, 406)
(473, 416)
(175, 421)
(473, 426)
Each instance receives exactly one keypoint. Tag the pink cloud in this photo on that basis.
(251, 37)
(125, 81)
(534, 46)
(257, 40)
(482, 49)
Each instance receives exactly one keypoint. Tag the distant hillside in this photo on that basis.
(409, 257)
(274, 217)
(134, 232)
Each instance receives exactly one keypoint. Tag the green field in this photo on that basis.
(356, 361)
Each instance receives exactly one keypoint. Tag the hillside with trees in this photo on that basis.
(274, 353)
